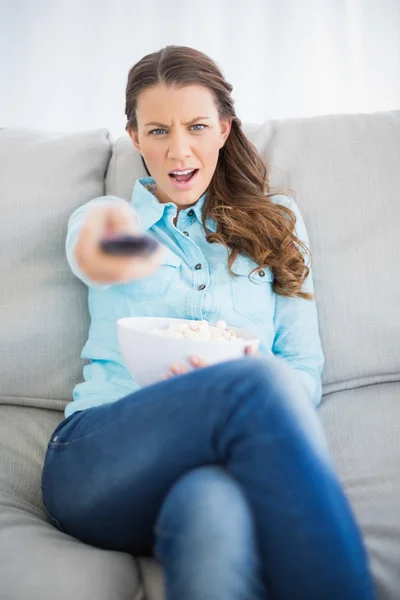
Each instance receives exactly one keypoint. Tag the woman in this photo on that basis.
(223, 472)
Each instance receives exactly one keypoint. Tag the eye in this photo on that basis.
(152, 132)
(199, 125)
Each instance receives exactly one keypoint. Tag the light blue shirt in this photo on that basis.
(192, 283)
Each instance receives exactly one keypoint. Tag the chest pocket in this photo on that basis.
(155, 285)
(252, 297)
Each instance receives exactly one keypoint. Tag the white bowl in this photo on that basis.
(148, 356)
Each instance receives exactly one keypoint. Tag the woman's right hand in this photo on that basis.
(118, 218)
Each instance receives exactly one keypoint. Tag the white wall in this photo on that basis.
(64, 63)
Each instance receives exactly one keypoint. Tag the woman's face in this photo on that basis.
(179, 129)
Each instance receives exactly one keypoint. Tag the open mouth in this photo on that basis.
(184, 178)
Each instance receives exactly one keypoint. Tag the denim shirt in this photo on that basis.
(193, 282)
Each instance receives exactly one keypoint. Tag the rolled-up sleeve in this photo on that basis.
(296, 329)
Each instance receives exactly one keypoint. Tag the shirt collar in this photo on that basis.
(150, 210)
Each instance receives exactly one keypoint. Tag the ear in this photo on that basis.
(226, 126)
(135, 138)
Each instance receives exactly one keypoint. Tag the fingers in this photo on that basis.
(120, 218)
(251, 351)
(178, 369)
(198, 362)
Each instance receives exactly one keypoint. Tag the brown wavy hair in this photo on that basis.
(238, 194)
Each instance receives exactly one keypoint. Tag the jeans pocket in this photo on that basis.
(55, 522)
(45, 485)
(60, 437)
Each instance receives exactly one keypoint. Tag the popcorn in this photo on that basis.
(198, 330)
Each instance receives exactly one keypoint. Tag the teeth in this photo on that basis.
(182, 172)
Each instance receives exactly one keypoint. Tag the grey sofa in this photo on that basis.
(344, 171)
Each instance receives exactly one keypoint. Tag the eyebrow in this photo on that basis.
(188, 123)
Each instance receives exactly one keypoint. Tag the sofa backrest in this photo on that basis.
(345, 176)
(44, 316)
(344, 171)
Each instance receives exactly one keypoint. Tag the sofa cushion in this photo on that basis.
(38, 562)
(363, 430)
(44, 317)
(344, 174)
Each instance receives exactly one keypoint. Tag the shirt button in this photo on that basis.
(198, 266)
(201, 287)
(186, 233)
(191, 213)
(261, 273)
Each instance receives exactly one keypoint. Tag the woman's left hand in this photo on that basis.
(198, 363)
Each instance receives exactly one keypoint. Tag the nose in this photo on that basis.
(179, 147)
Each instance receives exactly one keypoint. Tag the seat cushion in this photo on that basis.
(363, 429)
(38, 562)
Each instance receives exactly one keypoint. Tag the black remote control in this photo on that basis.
(130, 245)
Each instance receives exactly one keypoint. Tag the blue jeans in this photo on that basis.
(224, 474)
